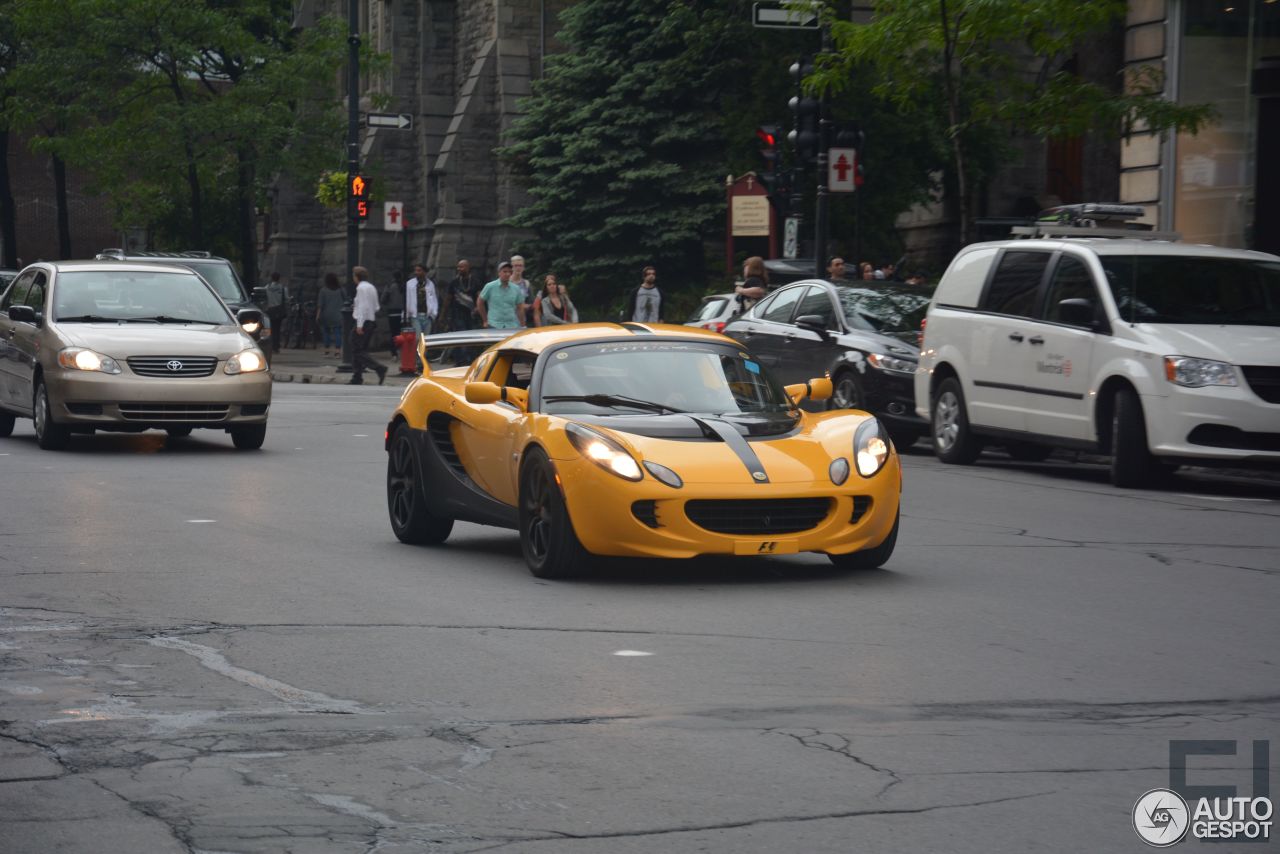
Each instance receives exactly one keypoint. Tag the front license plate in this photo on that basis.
(766, 547)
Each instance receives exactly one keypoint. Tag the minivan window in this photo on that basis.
(1016, 283)
(1188, 289)
(1071, 279)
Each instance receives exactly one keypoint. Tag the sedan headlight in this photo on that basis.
(891, 363)
(1197, 373)
(80, 359)
(870, 448)
(246, 362)
(604, 452)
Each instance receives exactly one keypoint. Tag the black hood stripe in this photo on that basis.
(731, 437)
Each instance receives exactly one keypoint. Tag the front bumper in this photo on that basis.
(127, 400)
(1216, 423)
(601, 508)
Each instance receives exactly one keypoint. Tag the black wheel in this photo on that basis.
(1028, 452)
(1132, 465)
(6, 424)
(870, 558)
(411, 521)
(249, 438)
(846, 392)
(904, 438)
(180, 432)
(551, 548)
(50, 435)
(953, 441)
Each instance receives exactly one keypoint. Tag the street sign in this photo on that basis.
(842, 167)
(399, 121)
(775, 13)
(393, 216)
(791, 238)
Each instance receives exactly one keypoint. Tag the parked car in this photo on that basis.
(643, 441)
(714, 312)
(863, 336)
(110, 345)
(1116, 341)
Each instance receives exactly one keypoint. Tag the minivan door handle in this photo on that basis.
(1035, 339)
(1015, 336)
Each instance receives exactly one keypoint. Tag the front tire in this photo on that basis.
(249, 438)
(550, 546)
(870, 558)
(50, 435)
(846, 392)
(953, 441)
(1132, 465)
(411, 521)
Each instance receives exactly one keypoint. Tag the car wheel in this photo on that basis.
(411, 521)
(953, 441)
(249, 438)
(178, 432)
(49, 434)
(1028, 452)
(6, 424)
(869, 558)
(846, 392)
(1132, 464)
(550, 546)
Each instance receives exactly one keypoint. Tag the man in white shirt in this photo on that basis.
(363, 311)
(421, 303)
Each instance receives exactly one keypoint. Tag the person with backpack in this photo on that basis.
(277, 308)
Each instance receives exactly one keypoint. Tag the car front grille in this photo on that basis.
(172, 366)
(757, 516)
(861, 504)
(174, 411)
(1264, 380)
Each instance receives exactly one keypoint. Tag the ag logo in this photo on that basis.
(1160, 818)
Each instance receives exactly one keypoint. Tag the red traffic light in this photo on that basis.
(768, 134)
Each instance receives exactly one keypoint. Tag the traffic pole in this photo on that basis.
(820, 214)
(353, 169)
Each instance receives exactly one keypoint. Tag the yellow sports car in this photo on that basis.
(635, 440)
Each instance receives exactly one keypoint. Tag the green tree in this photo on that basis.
(987, 67)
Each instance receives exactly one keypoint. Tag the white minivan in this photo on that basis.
(1135, 345)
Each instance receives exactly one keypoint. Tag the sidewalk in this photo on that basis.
(312, 366)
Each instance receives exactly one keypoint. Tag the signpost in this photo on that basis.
(393, 216)
(397, 121)
(842, 167)
(791, 238)
(775, 13)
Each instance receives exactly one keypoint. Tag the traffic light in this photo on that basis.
(358, 197)
(804, 111)
(768, 135)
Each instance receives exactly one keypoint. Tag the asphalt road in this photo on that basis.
(216, 651)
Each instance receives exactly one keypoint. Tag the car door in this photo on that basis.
(9, 363)
(771, 323)
(487, 436)
(999, 354)
(1059, 373)
(807, 353)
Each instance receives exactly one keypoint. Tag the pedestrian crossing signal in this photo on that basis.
(358, 197)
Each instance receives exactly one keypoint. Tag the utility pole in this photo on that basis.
(353, 169)
(821, 223)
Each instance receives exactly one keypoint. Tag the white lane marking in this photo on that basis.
(632, 652)
(297, 449)
(23, 690)
(209, 657)
(360, 435)
(352, 807)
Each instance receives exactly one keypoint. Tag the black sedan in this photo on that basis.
(863, 335)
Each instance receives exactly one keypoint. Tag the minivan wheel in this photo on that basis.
(953, 441)
(6, 424)
(50, 435)
(1132, 465)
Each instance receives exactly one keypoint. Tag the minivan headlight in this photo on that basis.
(1198, 373)
(604, 452)
(81, 359)
(246, 362)
(870, 447)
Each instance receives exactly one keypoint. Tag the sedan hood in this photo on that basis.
(1239, 345)
(121, 340)
(901, 343)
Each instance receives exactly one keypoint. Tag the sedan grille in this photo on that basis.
(1264, 380)
(756, 516)
(174, 411)
(172, 366)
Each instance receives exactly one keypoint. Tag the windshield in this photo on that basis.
(221, 276)
(884, 309)
(688, 377)
(708, 310)
(1186, 289)
(88, 297)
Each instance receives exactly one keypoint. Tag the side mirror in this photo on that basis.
(813, 322)
(815, 389)
(250, 320)
(482, 392)
(1077, 311)
(22, 313)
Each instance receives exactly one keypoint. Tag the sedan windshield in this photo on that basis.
(1185, 289)
(138, 296)
(660, 376)
(885, 309)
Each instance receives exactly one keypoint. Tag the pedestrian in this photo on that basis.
(553, 306)
(277, 308)
(644, 304)
(501, 304)
(869, 272)
(392, 300)
(517, 277)
(461, 295)
(755, 283)
(364, 313)
(835, 269)
(329, 313)
(421, 305)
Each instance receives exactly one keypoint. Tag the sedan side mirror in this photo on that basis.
(22, 313)
(813, 322)
(1077, 311)
(250, 320)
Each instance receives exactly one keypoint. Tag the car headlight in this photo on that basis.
(604, 452)
(251, 327)
(1197, 373)
(891, 363)
(80, 359)
(870, 448)
(246, 362)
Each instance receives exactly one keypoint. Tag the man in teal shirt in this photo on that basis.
(501, 304)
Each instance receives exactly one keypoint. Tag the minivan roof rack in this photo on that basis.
(1093, 220)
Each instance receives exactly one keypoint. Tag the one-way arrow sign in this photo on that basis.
(778, 13)
(399, 121)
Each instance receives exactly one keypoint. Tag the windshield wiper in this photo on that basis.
(88, 318)
(612, 400)
(164, 318)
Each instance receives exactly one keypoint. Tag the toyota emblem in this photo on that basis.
(173, 365)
